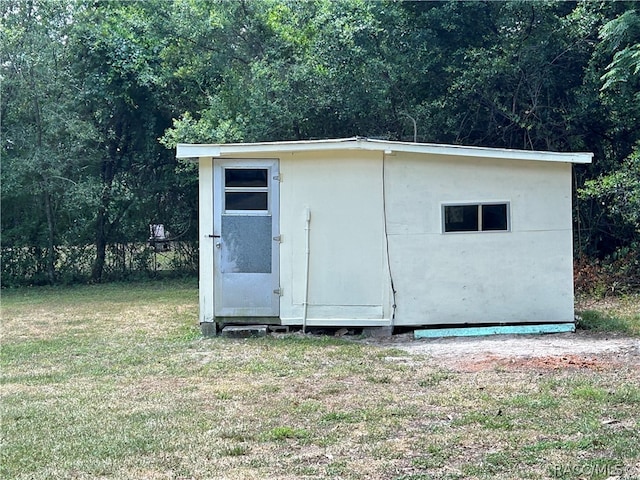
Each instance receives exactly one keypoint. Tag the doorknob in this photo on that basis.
(218, 244)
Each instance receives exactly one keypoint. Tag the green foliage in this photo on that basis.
(622, 37)
(619, 193)
(81, 110)
(95, 96)
(188, 130)
(615, 198)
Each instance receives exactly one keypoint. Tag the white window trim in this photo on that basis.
(479, 205)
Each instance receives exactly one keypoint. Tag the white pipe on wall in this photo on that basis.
(307, 230)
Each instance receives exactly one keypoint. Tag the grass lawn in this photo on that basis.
(115, 382)
(619, 314)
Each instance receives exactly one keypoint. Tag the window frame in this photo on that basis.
(479, 206)
(266, 189)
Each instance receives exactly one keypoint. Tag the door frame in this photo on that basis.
(273, 188)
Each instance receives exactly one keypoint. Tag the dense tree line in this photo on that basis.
(95, 95)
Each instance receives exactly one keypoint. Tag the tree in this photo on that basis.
(117, 67)
(286, 70)
(621, 36)
(611, 196)
(43, 136)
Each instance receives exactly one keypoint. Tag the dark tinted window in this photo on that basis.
(486, 217)
(461, 218)
(246, 201)
(246, 177)
(494, 217)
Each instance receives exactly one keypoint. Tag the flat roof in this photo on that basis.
(187, 150)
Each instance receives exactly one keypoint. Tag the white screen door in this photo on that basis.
(246, 200)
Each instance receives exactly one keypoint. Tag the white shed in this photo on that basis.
(362, 232)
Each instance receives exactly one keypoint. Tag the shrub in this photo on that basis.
(618, 273)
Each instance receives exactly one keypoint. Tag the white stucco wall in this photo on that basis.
(205, 228)
(348, 279)
(523, 275)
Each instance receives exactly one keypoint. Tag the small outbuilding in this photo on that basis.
(359, 232)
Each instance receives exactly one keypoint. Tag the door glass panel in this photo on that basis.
(246, 201)
(246, 177)
(246, 244)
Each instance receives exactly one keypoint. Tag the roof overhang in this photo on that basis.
(195, 151)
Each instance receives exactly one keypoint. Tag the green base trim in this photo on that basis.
(498, 330)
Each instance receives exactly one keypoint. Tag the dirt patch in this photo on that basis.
(565, 362)
(580, 350)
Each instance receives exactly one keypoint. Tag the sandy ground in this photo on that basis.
(552, 351)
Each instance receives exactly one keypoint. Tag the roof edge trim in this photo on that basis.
(185, 150)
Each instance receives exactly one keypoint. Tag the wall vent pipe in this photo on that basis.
(307, 253)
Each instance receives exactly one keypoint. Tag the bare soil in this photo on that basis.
(580, 350)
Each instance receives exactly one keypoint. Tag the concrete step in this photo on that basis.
(245, 331)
